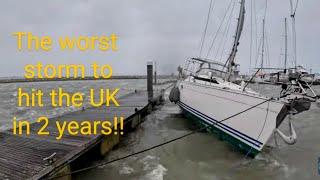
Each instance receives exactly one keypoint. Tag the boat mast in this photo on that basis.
(285, 44)
(233, 53)
(293, 14)
(262, 52)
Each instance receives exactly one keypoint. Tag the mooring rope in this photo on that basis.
(103, 163)
(263, 126)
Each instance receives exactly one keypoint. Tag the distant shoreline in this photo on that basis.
(23, 80)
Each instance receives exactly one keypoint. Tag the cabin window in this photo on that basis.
(213, 80)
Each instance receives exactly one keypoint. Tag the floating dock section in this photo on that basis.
(43, 157)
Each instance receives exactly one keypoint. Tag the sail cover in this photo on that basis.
(237, 38)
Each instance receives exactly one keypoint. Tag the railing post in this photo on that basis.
(149, 80)
(155, 73)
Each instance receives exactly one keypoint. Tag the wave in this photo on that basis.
(126, 170)
(154, 170)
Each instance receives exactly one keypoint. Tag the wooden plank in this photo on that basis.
(21, 157)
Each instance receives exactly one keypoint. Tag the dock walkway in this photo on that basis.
(22, 157)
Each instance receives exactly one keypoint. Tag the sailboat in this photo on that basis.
(262, 76)
(236, 113)
(283, 76)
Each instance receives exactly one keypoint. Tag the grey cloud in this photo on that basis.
(167, 31)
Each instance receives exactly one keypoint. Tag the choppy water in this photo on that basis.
(8, 97)
(203, 156)
(200, 156)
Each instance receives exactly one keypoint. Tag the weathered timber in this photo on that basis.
(22, 157)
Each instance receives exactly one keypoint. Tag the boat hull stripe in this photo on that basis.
(223, 126)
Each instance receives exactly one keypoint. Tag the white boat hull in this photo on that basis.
(213, 104)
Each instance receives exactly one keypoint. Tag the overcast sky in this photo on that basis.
(166, 31)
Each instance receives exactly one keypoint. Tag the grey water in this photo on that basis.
(9, 92)
(203, 156)
(200, 156)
